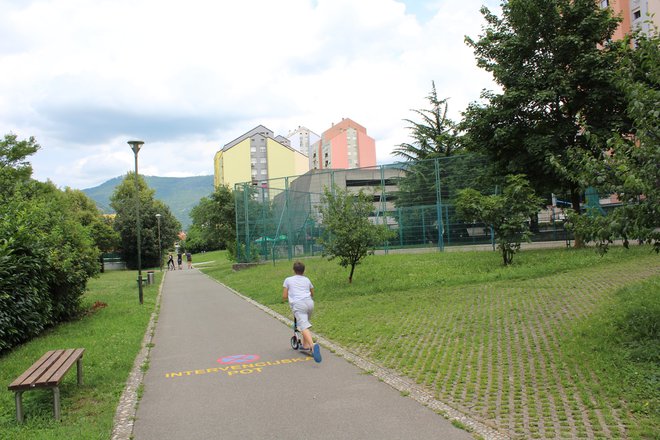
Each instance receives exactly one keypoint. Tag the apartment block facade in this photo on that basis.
(256, 156)
(302, 138)
(343, 146)
(635, 14)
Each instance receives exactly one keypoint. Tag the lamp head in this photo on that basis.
(135, 145)
(158, 216)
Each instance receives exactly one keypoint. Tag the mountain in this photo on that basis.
(181, 194)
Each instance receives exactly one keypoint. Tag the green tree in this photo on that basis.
(14, 166)
(629, 168)
(349, 235)
(123, 201)
(434, 137)
(436, 167)
(436, 134)
(213, 221)
(99, 226)
(507, 213)
(556, 71)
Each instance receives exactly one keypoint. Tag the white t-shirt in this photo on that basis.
(299, 287)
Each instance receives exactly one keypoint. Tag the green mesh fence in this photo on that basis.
(279, 218)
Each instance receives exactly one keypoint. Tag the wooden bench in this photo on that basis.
(47, 372)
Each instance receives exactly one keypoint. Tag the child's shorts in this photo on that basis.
(303, 310)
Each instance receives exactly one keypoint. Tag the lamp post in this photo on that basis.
(135, 146)
(160, 247)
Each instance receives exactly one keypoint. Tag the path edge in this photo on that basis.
(124, 420)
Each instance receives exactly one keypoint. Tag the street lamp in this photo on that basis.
(135, 146)
(160, 247)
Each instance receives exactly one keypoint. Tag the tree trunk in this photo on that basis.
(534, 223)
(575, 202)
(350, 277)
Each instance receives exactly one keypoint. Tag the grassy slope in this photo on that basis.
(506, 345)
(112, 337)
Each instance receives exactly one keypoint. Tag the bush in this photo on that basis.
(44, 263)
(25, 305)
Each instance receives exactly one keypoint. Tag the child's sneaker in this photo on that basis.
(316, 352)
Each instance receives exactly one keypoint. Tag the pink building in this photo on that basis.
(344, 145)
(635, 14)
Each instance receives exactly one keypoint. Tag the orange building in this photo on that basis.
(635, 14)
(342, 146)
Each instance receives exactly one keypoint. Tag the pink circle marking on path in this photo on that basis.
(238, 359)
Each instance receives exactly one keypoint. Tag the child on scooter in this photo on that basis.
(299, 291)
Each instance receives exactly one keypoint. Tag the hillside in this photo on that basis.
(181, 194)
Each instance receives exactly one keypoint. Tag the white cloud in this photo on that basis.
(188, 77)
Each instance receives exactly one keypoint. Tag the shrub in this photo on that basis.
(45, 262)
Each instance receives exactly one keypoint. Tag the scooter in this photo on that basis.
(296, 339)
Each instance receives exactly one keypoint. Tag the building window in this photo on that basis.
(262, 160)
(264, 172)
(253, 149)
(262, 149)
(604, 3)
(637, 14)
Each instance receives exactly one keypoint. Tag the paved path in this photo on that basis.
(192, 389)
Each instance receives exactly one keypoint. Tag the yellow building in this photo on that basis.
(257, 156)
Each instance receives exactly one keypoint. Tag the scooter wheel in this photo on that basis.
(294, 343)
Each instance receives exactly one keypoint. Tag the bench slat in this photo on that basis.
(71, 358)
(48, 370)
(53, 368)
(32, 371)
(44, 371)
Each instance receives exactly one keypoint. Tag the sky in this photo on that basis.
(186, 77)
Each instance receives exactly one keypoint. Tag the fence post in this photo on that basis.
(238, 242)
(247, 224)
(288, 217)
(423, 227)
(438, 205)
(383, 202)
(400, 228)
(447, 224)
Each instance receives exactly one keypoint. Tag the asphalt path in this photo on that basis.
(221, 368)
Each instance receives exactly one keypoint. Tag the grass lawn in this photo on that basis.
(546, 348)
(111, 333)
(563, 344)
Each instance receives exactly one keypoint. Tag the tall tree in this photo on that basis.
(435, 136)
(88, 215)
(123, 201)
(556, 71)
(629, 168)
(349, 235)
(436, 166)
(213, 221)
